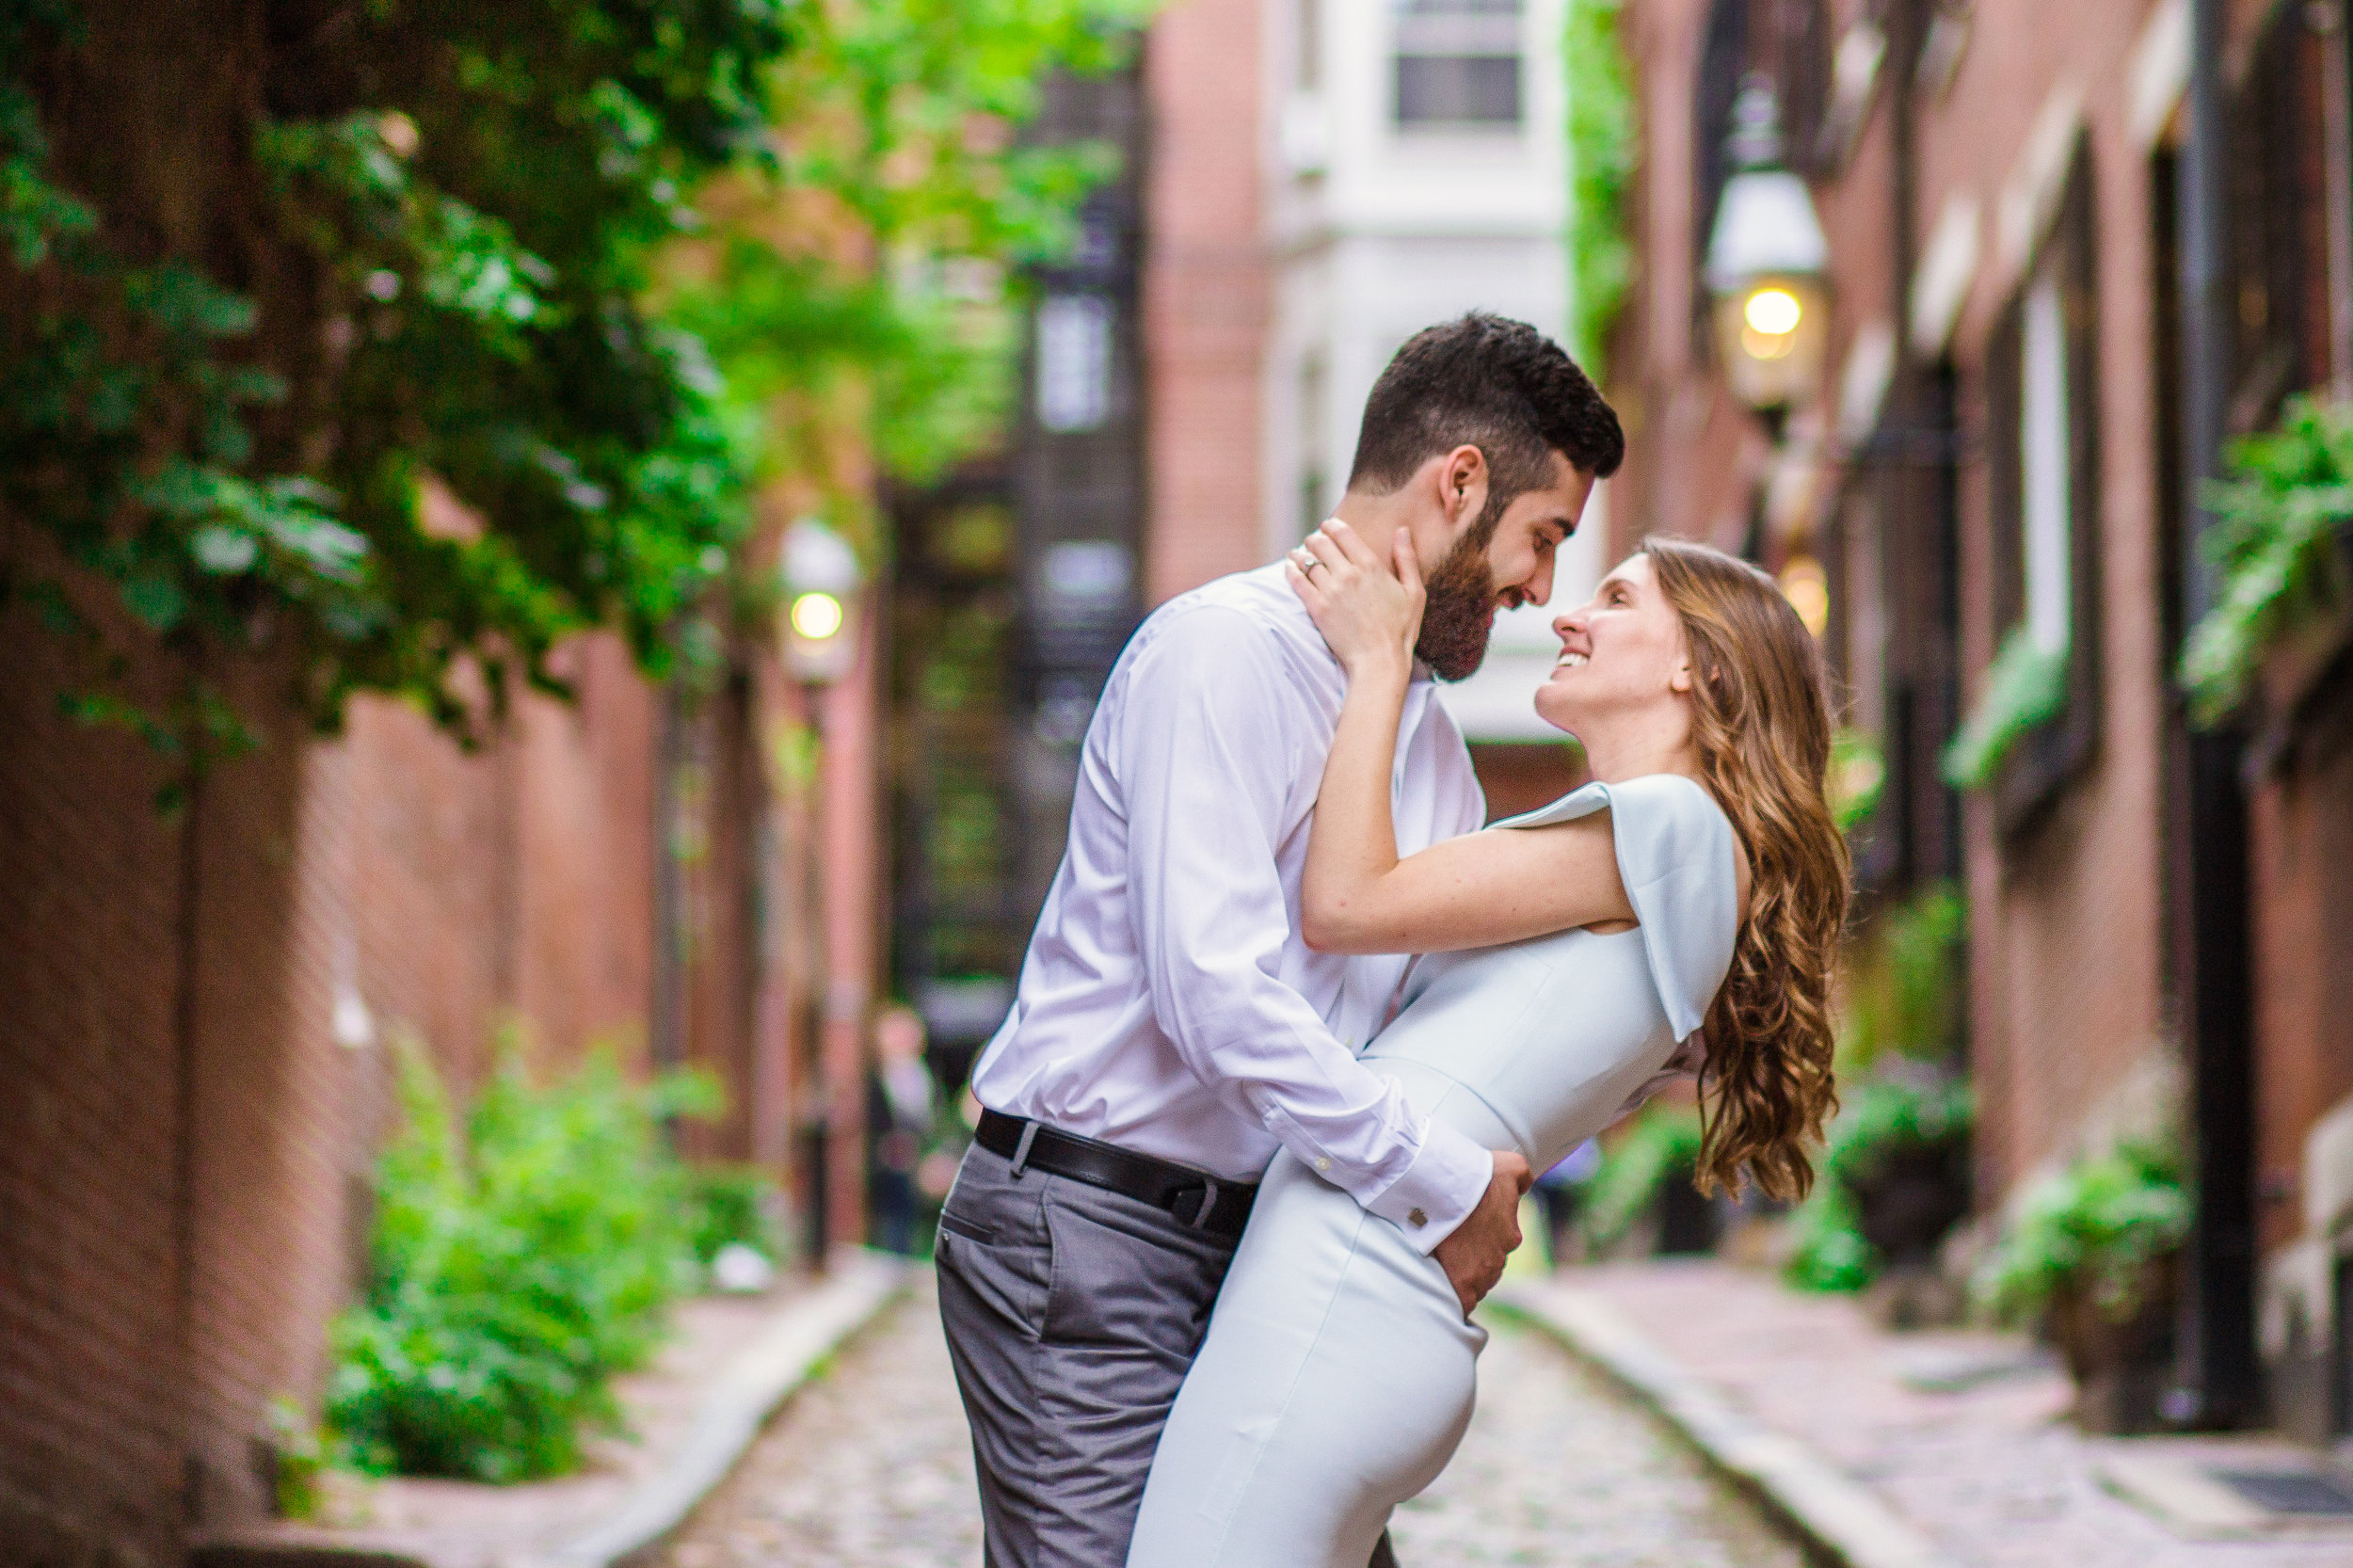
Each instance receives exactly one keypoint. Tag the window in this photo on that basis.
(2279, 214)
(1074, 363)
(1458, 62)
(2042, 440)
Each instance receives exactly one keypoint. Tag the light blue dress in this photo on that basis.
(1338, 1373)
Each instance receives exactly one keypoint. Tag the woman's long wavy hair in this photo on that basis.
(1760, 723)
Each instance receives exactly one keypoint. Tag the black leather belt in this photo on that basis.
(1197, 1198)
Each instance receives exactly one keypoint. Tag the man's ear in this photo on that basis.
(1463, 480)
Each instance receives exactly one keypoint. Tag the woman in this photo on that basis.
(1580, 950)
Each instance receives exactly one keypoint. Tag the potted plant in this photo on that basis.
(1895, 1176)
(2091, 1256)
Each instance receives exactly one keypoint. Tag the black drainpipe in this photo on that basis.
(2220, 1376)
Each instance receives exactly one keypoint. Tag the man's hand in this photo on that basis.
(1473, 1256)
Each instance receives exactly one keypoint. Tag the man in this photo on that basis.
(1172, 1029)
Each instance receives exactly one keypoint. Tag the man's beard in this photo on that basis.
(1458, 613)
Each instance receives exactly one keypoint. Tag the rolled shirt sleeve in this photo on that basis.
(1210, 753)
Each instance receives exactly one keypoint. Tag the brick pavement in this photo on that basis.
(871, 1469)
(1994, 1474)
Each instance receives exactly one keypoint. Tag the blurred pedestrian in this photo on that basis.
(899, 1113)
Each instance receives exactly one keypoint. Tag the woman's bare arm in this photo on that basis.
(1497, 886)
(1472, 891)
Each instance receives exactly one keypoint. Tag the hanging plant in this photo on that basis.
(2283, 516)
(2025, 689)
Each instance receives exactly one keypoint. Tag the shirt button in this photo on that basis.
(1323, 1162)
(1416, 1218)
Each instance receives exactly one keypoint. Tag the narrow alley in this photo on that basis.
(870, 1468)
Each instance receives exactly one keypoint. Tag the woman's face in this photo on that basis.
(1621, 655)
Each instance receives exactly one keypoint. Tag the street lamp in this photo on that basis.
(820, 583)
(1766, 264)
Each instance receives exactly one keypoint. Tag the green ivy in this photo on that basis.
(450, 256)
(1601, 149)
(461, 259)
(2025, 689)
(2282, 514)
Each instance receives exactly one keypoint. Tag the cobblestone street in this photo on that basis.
(870, 1468)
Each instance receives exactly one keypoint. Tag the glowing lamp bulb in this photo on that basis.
(1774, 313)
(817, 617)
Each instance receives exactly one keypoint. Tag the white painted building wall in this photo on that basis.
(1380, 228)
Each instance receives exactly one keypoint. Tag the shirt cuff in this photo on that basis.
(1450, 1173)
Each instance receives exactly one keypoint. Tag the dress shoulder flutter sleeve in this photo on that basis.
(1676, 856)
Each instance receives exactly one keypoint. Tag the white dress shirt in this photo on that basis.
(1167, 1004)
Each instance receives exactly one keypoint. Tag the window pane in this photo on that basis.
(1074, 361)
(1479, 89)
(2042, 447)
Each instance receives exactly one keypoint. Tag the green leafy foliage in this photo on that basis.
(459, 229)
(451, 245)
(898, 128)
(2089, 1232)
(2282, 513)
(725, 1205)
(519, 1262)
(1901, 992)
(1661, 1145)
(1827, 1252)
(1894, 1114)
(2025, 689)
(1858, 772)
(1601, 149)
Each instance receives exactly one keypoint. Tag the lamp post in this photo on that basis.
(1766, 264)
(824, 636)
(820, 583)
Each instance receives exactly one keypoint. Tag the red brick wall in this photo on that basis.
(88, 1330)
(166, 1265)
(1206, 294)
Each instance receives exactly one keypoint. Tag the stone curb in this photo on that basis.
(1835, 1514)
(739, 1403)
(750, 1391)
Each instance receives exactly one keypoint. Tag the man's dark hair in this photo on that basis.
(1499, 385)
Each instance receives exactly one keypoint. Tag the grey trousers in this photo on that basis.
(1072, 1315)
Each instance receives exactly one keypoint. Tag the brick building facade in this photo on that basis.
(196, 1057)
(2001, 188)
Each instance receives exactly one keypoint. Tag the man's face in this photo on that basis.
(1498, 557)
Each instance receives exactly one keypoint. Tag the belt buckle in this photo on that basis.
(1209, 1204)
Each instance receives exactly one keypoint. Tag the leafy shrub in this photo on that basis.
(1886, 1117)
(2290, 496)
(516, 1271)
(2090, 1233)
(1830, 1253)
(1662, 1144)
(727, 1204)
